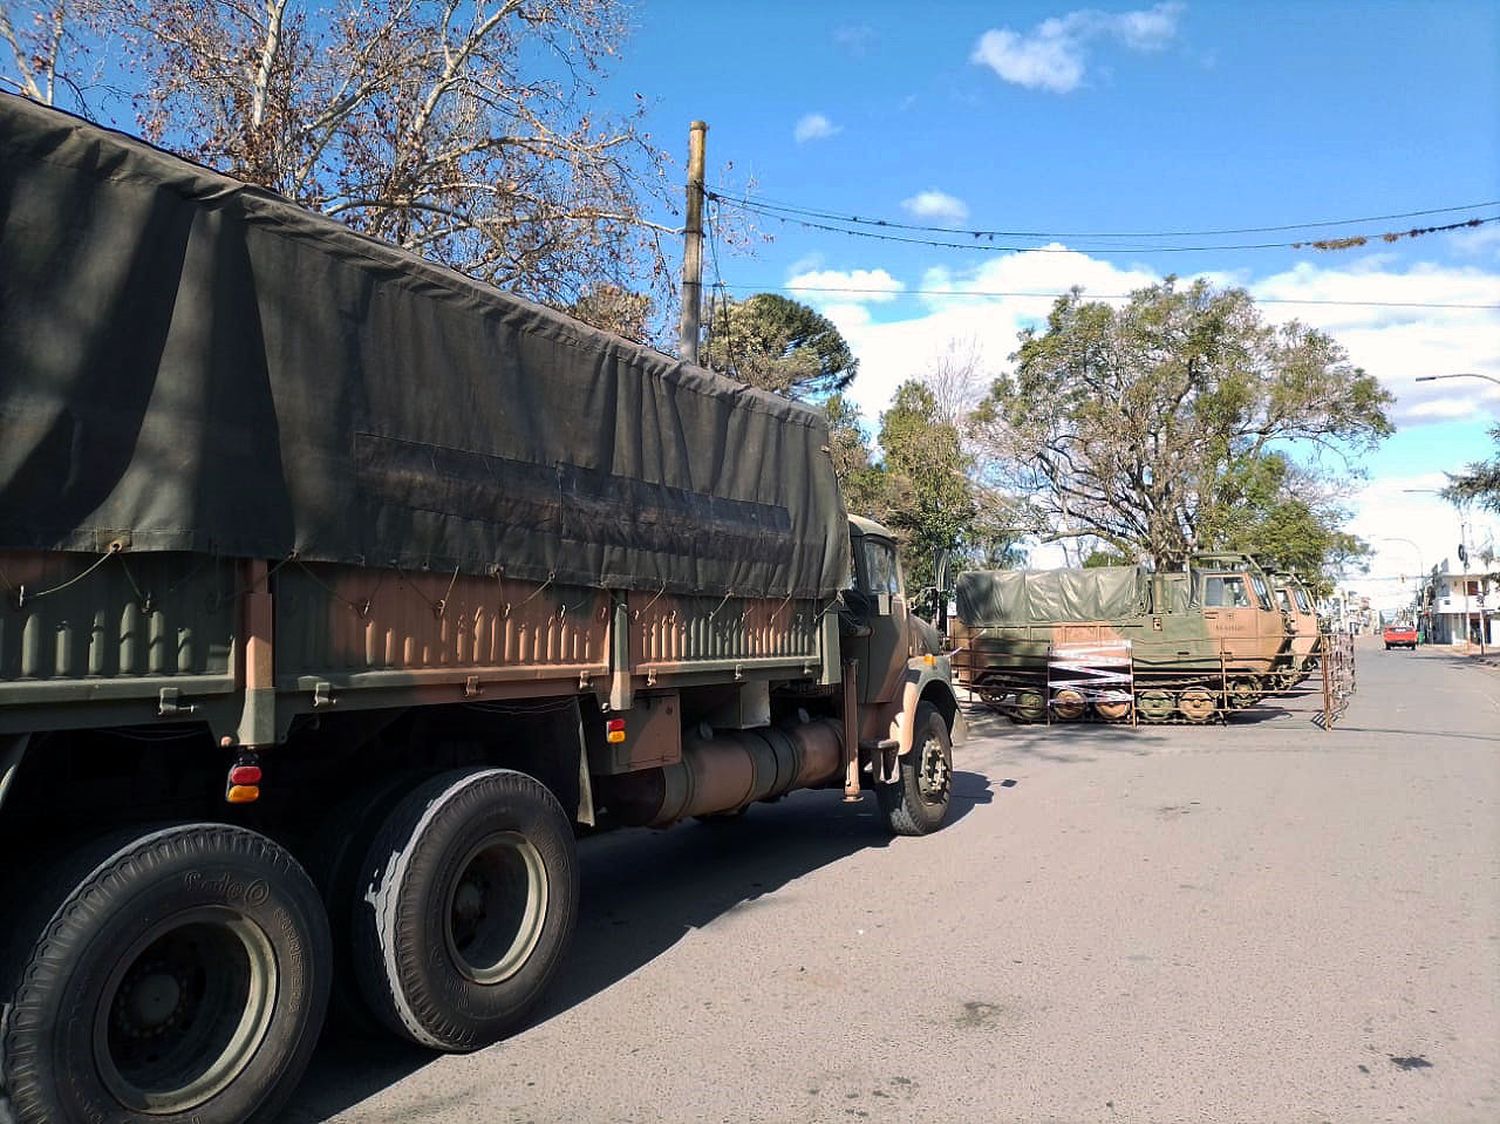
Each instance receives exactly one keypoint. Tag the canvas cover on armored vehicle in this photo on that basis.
(997, 598)
(188, 363)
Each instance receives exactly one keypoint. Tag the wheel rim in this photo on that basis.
(496, 907)
(185, 1010)
(1155, 706)
(1113, 711)
(935, 775)
(1068, 704)
(1030, 705)
(1197, 704)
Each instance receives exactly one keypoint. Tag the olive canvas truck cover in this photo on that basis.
(999, 598)
(188, 363)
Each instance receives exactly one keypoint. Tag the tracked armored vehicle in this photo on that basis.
(1193, 645)
(1296, 603)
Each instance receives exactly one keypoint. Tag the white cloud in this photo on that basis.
(937, 205)
(852, 287)
(1483, 241)
(1054, 55)
(1397, 342)
(893, 350)
(814, 126)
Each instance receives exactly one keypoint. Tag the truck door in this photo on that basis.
(1233, 616)
(880, 604)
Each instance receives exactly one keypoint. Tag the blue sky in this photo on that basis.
(1101, 127)
(1073, 119)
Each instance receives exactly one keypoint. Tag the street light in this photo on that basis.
(1459, 375)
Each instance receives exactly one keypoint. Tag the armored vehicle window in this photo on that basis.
(881, 570)
(1303, 602)
(1226, 593)
(1286, 601)
(1262, 594)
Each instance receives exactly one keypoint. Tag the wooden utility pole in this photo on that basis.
(692, 248)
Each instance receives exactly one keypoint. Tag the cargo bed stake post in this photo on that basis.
(258, 716)
(851, 731)
(692, 247)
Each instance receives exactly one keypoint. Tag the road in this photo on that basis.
(1263, 922)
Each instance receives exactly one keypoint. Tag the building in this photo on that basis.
(1449, 599)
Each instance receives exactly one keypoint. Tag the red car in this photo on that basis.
(1400, 636)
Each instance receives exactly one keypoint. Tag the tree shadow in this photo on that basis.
(642, 891)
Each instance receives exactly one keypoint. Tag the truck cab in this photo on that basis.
(902, 677)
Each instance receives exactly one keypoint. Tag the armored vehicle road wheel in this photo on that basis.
(1113, 711)
(1197, 704)
(917, 803)
(1155, 705)
(1068, 705)
(1242, 694)
(177, 975)
(1031, 706)
(472, 899)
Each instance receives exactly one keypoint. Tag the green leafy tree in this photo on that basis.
(1155, 428)
(1481, 483)
(779, 345)
(934, 506)
(867, 488)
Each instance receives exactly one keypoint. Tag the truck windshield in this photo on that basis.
(881, 570)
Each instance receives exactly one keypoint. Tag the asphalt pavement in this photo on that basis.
(1257, 922)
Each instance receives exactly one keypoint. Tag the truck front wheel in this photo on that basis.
(471, 896)
(917, 803)
(179, 975)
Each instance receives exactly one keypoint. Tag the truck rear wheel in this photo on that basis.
(917, 802)
(179, 975)
(472, 896)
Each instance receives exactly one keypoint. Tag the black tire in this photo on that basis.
(472, 897)
(917, 803)
(335, 861)
(175, 975)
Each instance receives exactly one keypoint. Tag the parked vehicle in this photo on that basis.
(1400, 634)
(1297, 606)
(1202, 641)
(339, 591)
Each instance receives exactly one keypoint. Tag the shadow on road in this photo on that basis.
(642, 892)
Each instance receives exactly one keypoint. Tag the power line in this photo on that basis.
(763, 203)
(1090, 296)
(983, 241)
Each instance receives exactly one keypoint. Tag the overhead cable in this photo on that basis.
(984, 241)
(1091, 296)
(765, 204)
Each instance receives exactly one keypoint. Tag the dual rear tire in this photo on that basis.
(183, 974)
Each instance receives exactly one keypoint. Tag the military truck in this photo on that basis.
(1201, 642)
(338, 594)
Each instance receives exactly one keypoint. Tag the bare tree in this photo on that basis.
(464, 130)
(50, 48)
